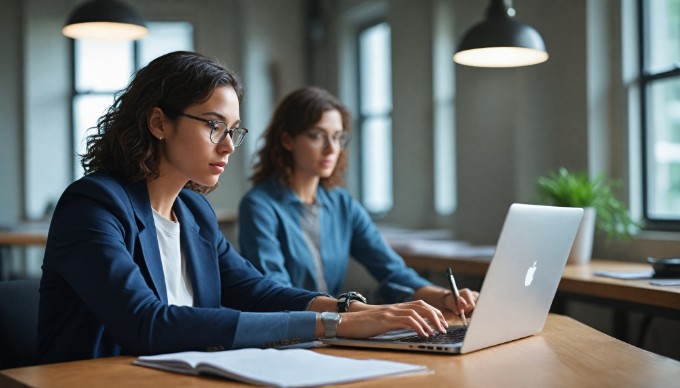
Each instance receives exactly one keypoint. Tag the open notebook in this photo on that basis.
(518, 289)
(279, 368)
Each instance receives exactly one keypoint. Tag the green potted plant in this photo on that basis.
(596, 196)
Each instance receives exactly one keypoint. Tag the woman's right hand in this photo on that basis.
(377, 319)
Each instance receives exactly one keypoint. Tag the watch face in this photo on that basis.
(330, 322)
(330, 316)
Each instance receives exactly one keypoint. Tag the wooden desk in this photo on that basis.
(566, 353)
(432, 263)
(22, 238)
(578, 282)
(24, 233)
(19, 236)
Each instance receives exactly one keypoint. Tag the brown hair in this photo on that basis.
(296, 114)
(122, 143)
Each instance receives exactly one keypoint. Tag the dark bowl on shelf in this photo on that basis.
(667, 267)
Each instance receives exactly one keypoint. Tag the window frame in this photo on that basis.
(75, 94)
(647, 80)
(136, 55)
(361, 118)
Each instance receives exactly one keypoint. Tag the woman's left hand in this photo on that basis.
(466, 302)
(444, 300)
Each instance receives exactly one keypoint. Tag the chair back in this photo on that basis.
(18, 322)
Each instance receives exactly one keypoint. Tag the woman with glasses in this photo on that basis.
(135, 262)
(297, 225)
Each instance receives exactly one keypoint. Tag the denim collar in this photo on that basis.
(287, 195)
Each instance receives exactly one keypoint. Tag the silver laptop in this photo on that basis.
(518, 288)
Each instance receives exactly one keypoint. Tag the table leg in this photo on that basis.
(559, 305)
(4, 262)
(620, 324)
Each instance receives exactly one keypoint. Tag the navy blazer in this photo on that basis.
(103, 292)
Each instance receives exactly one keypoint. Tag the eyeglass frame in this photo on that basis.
(329, 139)
(213, 128)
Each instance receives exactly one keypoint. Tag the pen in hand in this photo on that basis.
(456, 295)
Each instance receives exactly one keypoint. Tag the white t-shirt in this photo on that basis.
(177, 282)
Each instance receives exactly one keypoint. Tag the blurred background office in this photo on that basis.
(436, 145)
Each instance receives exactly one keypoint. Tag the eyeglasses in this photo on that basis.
(320, 138)
(219, 131)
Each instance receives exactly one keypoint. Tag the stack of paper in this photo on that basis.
(434, 242)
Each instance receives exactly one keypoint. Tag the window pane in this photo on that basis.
(375, 99)
(664, 33)
(165, 37)
(86, 111)
(376, 143)
(444, 161)
(663, 150)
(102, 65)
(443, 86)
(375, 70)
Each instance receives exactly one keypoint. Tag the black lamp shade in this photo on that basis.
(501, 41)
(105, 19)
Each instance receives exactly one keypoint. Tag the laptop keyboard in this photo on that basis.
(453, 334)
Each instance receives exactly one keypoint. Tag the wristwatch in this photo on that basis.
(330, 321)
(344, 300)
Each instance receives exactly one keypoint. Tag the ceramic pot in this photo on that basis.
(582, 250)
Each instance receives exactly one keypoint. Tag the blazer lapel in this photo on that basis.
(148, 241)
(201, 261)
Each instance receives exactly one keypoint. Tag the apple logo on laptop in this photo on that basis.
(530, 275)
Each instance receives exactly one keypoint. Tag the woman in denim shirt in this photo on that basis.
(300, 228)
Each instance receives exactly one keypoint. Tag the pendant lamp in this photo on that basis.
(105, 19)
(501, 41)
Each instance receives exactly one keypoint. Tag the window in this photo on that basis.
(443, 85)
(375, 117)
(660, 92)
(101, 68)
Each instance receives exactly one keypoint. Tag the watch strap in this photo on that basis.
(344, 300)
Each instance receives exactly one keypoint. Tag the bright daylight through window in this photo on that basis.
(103, 67)
(375, 117)
(660, 60)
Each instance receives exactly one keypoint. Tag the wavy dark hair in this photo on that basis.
(296, 114)
(123, 144)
